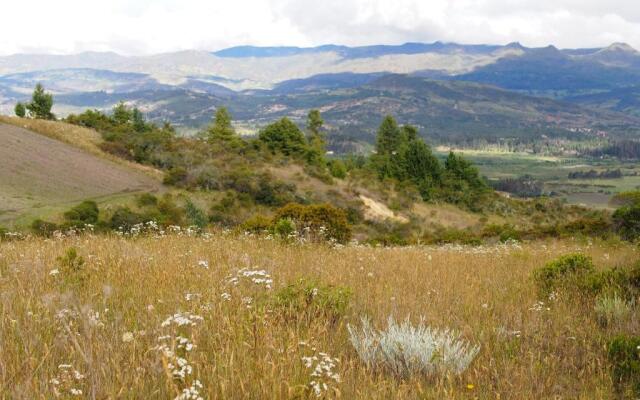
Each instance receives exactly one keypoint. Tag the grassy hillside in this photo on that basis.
(40, 175)
(105, 318)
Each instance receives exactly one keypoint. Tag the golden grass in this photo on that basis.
(244, 353)
(83, 138)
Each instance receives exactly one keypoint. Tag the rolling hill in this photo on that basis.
(39, 173)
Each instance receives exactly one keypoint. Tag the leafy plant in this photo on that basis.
(323, 221)
(310, 299)
(568, 271)
(624, 355)
(72, 267)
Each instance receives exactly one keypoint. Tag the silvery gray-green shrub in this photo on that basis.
(406, 350)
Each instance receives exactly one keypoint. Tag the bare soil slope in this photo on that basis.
(37, 171)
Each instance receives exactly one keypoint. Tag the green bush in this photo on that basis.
(147, 200)
(72, 267)
(176, 176)
(284, 227)
(337, 169)
(257, 224)
(624, 355)
(169, 212)
(626, 221)
(308, 299)
(85, 213)
(43, 228)
(323, 221)
(569, 271)
(124, 219)
(194, 215)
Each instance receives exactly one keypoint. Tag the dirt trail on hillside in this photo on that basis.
(37, 171)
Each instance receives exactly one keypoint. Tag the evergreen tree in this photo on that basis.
(20, 110)
(41, 104)
(284, 136)
(389, 137)
(222, 129)
(316, 139)
(139, 123)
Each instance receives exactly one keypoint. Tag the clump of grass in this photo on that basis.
(406, 350)
(611, 310)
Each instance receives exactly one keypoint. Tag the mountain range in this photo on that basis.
(451, 91)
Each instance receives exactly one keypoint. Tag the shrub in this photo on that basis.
(624, 355)
(176, 176)
(72, 267)
(406, 350)
(626, 221)
(20, 110)
(147, 200)
(612, 309)
(85, 213)
(195, 216)
(257, 224)
(337, 169)
(124, 219)
(43, 228)
(322, 221)
(310, 299)
(169, 212)
(284, 228)
(568, 271)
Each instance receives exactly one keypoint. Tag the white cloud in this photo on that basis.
(152, 26)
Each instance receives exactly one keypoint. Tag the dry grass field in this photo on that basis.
(113, 325)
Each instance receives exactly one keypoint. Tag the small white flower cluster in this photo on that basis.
(192, 392)
(192, 296)
(322, 372)
(539, 306)
(149, 227)
(182, 319)
(67, 381)
(258, 277)
(175, 349)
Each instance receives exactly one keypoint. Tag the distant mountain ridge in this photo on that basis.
(593, 89)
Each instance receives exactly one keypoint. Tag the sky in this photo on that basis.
(142, 27)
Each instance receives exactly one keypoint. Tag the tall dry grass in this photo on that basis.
(115, 310)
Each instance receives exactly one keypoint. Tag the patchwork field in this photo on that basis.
(39, 174)
(554, 171)
(114, 324)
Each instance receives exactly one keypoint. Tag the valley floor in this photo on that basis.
(99, 325)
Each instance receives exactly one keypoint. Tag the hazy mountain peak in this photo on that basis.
(620, 48)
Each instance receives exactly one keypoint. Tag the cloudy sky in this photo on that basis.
(153, 26)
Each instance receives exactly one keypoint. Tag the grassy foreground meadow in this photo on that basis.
(134, 311)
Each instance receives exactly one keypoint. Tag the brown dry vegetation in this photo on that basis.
(243, 352)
